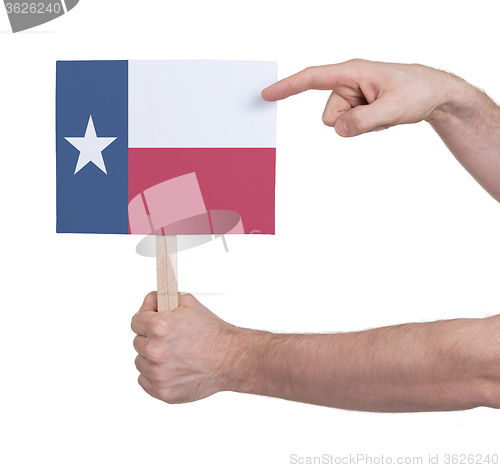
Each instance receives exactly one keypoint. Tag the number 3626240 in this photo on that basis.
(33, 8)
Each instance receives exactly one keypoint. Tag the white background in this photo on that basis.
(382, 229)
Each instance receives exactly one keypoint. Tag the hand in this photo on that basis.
(184, 355)
(369, 96)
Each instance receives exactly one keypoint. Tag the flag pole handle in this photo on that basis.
(166, 272)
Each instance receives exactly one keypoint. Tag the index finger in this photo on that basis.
(320, 77)
(140, 319)
(150, 302)
(140, 322)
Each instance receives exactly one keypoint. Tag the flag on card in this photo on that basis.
(165, 147)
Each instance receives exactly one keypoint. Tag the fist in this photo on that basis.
(183, 355)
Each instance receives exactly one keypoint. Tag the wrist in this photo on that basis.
(456, 100)
(246, 369)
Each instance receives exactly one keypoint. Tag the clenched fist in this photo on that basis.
(184, 355)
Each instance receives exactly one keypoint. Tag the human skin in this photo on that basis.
(190, 353)
(368, 96)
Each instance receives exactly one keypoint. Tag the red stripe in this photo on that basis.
(236, 179)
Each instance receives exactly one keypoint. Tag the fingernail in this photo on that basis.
(342, 130)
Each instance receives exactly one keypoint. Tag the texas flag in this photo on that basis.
(165, 147)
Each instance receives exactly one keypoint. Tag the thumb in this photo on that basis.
(365, 118)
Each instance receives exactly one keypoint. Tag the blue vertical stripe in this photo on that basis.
(91, 201)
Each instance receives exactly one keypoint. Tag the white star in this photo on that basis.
(90, 147)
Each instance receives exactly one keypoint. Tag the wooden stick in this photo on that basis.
(166, 272)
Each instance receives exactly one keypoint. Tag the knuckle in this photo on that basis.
(307, 77)
(137, 362)
(312, 76)
(155, 391)
(170, 397)
(157, 327)
(157, 374)
(152, 352)
(135, 342)
(358, 118)
(164, 394)
(356, 61)
(141, 381)
(132, 322)
(357, 68)
(187, 299)
(327, 119)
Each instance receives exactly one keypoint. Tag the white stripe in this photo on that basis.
(64, 6)
(200, 104)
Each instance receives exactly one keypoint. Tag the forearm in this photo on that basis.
(469, 125)
(438, 366)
